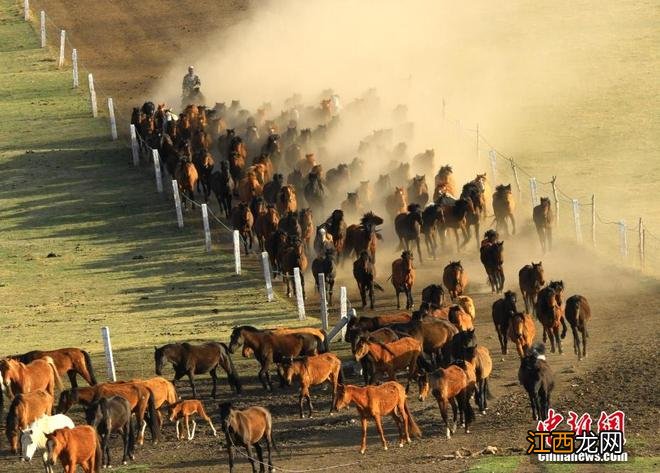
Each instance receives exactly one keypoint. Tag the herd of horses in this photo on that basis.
(271, 185)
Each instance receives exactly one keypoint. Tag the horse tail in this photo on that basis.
(321, 344)
(228, 366)
(89, 367)
(269, 430)
(56, 375)
(131, 436)
(154, 427)
(414, 428)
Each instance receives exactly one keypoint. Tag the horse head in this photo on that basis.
(538, 273)
(236, 339)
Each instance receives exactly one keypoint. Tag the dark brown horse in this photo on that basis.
(474, 194)
(269, 347)
(265, 225)
(492, 258)
(403, 278)
(364, 274)
(503, 310)
(247, 428)
(455, 217)
(109, 415)
(454, 278)
(433, 294)
(242, 220)
(578, 314)
(537, 378)
(551, 315)
(336, 226)
(294, 257)
(530, 278)
(543, 220)
(189, 360)
(273, 188)
(223, 187)
(503, 207)
(408, 227)
(363, 237)
(327, 266)
(432, 219)
(204, 163)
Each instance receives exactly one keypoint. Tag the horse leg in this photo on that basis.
(584, 339)
(363, 444)
(260, 457)
(442, 405)
(192, 383)
(576, 341)
(309, 404)
(248, 449)
(125, 437)
(214, 378)
(555, 332)
(72, 378)
(532, 402)
(371, 295)
(398, 302)
(379, 426)
(458, 245)
(302, 284)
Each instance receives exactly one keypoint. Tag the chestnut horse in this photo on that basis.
(531, 280)
(522, 332)
(186, 177)
(249, 188)
(286, 200)
(25, 408)
(73, 447)
(186, 409)
(247, 427)
(265, 224)
(454, 278)
(578, 314)
(307, 228)
(444, 183)
(312, 371)
(336, 226)
(375, 402)
(189, 360)
(17, 377)
(69, 361)
(551, 315)
(503, 207)
(363, 237)
(242, 220)
(400, 355)
(403, 278)
(544, 220)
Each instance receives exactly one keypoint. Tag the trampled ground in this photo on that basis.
(120, 261)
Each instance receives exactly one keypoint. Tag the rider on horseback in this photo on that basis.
(191, 83)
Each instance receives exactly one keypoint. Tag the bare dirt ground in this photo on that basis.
(621, 372)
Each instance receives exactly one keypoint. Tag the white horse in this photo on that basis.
(34, 437)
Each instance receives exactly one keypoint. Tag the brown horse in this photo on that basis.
(531, 280)
(189, 360)
(551, 315)
(396, 203)
(69, 361)
(17, 377)
(454, 278)
(204, 163)
(25, 408)
(336, 226)
(142, 404)
(444, 183)
(403, 278)
(492, 258)
(522, 332)
(163, 391)
(242, 220)
(578, 313)
(247, 427)
(294, 257)
(433, 294)
(503, 310)
(400, 355)
(359, 325)
(503, 207)
(79, 446)
(185, 410)
(408, 227)
(451, 386)
(364, 273)
(286, 200)
(455, 214)
(363, 237)
(461, 319)
(269, 347)
(186, 177)
(418, 191)
(375, 402)
(69, 397)
(267, 164)
(312, 371)
(307, 228)
(265, 225)
(249, 188)
(543, 220)
(236, 165)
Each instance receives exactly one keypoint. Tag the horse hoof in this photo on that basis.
(385, 448)
(400, 444)
(362, 451)
(483, 413)
(467, 431)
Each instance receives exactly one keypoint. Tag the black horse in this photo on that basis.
(363, 272)
(222, 185)
(190, 360)
(408, 227)
(108, 415)
(327, 266)
(537, 378)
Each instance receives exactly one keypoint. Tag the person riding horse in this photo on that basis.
(191, 84)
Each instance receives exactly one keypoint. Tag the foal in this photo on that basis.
(247, 427)
(186, 409)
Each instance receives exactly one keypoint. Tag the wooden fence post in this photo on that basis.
(515, 176)
(113, 122)
(576, 219)
(299, 293)
(237, 253)
(109, 358)
(159, 178)
(554, 194)
(324, 302)
(265, 263)
(177, 203)
(593, 220)
(60, 62)
(92, 95)
(207, 228)
(43, 29)
(623, 238)
(74, 62)
(26, 10)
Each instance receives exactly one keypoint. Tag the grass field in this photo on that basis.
(120, 259)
